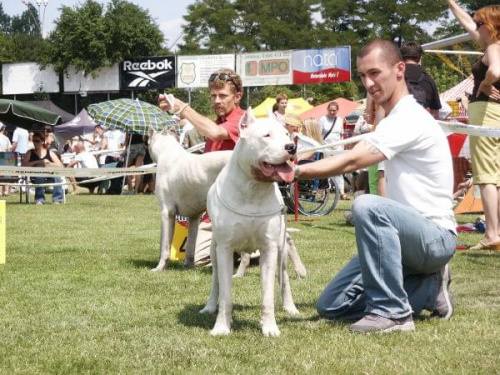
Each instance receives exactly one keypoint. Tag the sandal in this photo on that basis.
(344, 197)
(483, 246)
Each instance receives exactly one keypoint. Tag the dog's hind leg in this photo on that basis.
(167, 233)
(286, 291)
(194, 223)
(298, 266)
(211, 305)
(244, 263)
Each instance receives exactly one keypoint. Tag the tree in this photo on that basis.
(132, 32)
(80, 39)
(89, 39)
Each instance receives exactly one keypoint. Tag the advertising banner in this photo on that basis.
(265, 68)
(28, 78)
(77, 82)
(322, 65)
(147, 73)
(194, 71)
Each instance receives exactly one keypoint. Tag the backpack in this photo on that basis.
(415, 88)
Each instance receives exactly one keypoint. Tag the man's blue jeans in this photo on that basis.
(396, 270)
(57, 191)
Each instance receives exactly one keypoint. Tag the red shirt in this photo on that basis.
(231, 125)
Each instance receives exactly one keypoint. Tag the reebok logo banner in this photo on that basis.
(147, 73)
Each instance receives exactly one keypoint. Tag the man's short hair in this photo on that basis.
(220, 77)
(389, 51)
(412, 51)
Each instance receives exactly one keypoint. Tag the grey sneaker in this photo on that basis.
(444, 300)
(373, 323)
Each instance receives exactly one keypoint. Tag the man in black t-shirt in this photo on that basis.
(420, 84)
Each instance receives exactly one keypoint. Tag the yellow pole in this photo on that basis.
(2, 232)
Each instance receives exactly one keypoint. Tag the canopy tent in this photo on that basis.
(345, 107)
(295, 106)
(47, 104)
(80, 125)
(459, 91)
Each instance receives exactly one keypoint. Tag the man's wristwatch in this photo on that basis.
(296, 175)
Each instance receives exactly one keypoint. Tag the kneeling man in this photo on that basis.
(406, 239)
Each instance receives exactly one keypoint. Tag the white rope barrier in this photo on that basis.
(100, 174)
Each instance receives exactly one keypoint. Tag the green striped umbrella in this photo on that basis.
(130, 115)
(24, 114)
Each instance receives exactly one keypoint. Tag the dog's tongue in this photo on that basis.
(286, 172)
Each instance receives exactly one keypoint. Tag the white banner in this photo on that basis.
(194, 71)
(265, 68)
(28, 78)
(108, 79)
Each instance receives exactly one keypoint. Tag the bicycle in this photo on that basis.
(315, 197)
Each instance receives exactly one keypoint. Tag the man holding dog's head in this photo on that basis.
(405, 240)
(226, 91)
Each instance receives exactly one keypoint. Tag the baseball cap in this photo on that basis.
(291, 119)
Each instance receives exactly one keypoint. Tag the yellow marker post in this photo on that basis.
(178, 248)
(2, 232)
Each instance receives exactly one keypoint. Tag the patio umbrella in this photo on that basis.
(130, 115)
(23, 114)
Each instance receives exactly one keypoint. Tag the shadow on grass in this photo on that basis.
(190, 316)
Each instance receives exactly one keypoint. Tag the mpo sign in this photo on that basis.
(265, 68)
(147, 73)
(322, 65)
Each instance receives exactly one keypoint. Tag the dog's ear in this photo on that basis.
(151, 131)
(246, 121)
(270, 113)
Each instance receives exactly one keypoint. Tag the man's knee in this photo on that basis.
(364, 205)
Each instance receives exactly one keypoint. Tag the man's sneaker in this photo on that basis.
(373, 323)
(444, 300)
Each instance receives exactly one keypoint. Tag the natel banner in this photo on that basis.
(322, 65)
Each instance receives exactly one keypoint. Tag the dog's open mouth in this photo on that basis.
(283, 171)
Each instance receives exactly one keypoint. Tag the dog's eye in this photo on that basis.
(267, 135)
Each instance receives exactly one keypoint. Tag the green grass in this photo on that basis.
(77, 297)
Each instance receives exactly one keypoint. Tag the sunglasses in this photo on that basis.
(222, 77)
(478, 24)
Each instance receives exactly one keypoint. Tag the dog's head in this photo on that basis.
(160, 141)
(265, 147)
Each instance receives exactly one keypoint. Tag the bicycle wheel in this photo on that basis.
(316, 197)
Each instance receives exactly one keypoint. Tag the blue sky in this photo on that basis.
(167, 13)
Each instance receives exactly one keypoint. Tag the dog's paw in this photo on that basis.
(300, 271)
(291, 310)
(270, 330)
(208, 309)
(158, 268)
(220, 330)
(238, 275)
(189, 263)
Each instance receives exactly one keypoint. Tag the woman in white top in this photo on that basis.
(331, 125)
(279, 107)
(332, 130)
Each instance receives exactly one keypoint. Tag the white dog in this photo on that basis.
(246, 215)
(182, 183)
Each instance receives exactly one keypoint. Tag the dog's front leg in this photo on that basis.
(194, 223)
(211, 305)
(224, 271)
(167, 233)
(268, 260)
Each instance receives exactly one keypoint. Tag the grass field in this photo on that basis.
(77, 297)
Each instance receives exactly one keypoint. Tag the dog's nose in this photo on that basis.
(290, 147)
